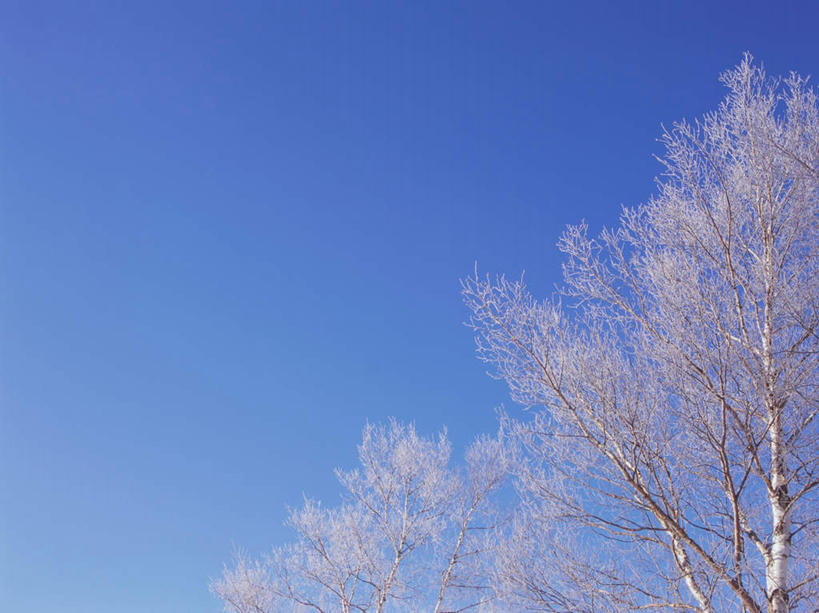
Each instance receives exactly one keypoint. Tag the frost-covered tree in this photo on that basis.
(411, 534)
(466, 554)
(673, 445)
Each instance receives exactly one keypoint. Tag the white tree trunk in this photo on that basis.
(776, 573)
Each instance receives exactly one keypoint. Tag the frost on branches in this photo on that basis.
(671, 457)
(672, 454)
(411, 535)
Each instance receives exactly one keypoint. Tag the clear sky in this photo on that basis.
(232, 232)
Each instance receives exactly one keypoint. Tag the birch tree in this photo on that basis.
(467, 552)
(672, 449)
(412, 534)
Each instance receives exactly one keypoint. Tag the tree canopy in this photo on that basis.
(670, 455)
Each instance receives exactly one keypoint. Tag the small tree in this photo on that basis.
(677, 421)
(405, 537)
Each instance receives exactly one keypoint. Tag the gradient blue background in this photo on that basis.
(232, 232)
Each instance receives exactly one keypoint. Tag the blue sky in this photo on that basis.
(232, 232)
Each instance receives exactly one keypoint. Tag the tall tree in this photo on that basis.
(673, 459)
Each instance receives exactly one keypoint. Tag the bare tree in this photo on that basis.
(673, 459)
(406, 537)
(466, 580)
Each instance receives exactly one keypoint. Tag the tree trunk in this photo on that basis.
(776, 572)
